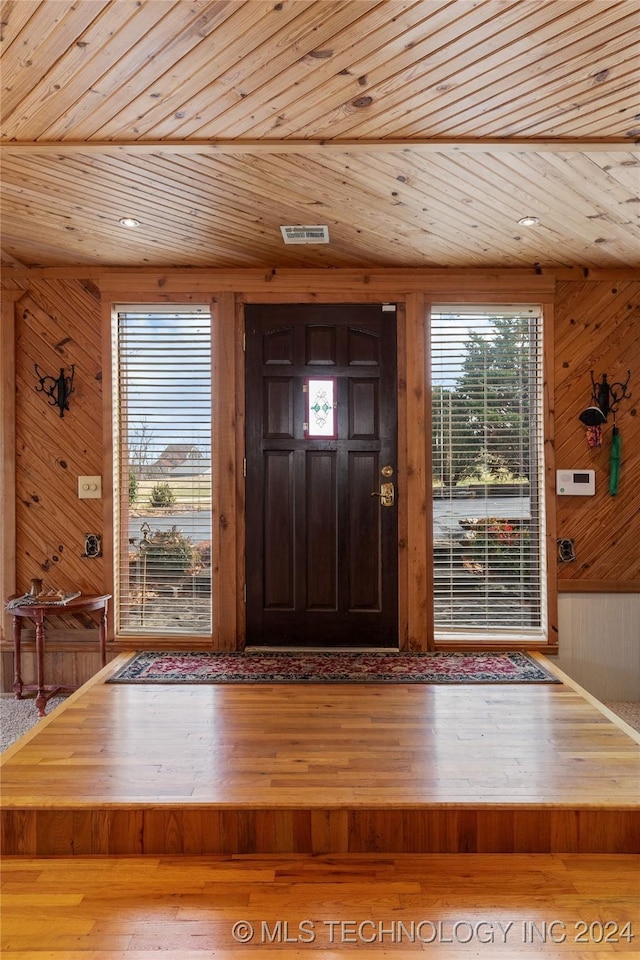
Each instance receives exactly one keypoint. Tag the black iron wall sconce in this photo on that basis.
(605, 399)
(58, 391)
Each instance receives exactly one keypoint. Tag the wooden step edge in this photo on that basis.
(96, 679)
(609, 714)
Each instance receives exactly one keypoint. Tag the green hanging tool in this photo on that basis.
(614, 461)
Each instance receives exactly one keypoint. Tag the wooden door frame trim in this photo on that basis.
(550, 645)
(549, 453)
(221, 305)
(227, 501)
(411, 470)
(415, 577)
(415, 411)
(107, 321)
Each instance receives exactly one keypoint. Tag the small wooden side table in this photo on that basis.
(38, 612)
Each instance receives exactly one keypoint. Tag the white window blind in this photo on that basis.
(162, 442)
(488, 476)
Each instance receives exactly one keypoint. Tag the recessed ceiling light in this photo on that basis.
(528, 221)
(128, 222)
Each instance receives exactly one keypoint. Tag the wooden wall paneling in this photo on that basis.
(7, 471)
(71, 663)
(597, 327)
(595, 324)
(58, 326)
(8, 451)
(599, 586)
(224, 467)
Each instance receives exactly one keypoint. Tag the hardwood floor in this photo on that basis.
(448, 906)
(322, 769)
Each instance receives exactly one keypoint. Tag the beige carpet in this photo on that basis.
(18, 716)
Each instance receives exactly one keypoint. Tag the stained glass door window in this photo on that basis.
(321, 408)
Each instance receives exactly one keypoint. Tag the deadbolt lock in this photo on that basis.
(387, 471)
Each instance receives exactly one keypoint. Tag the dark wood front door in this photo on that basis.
(321, 414)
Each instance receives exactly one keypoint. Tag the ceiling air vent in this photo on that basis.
(305, 234)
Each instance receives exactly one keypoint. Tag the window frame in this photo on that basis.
(467, 634)
(120, 477)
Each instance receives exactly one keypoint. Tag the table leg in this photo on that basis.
(102, 634)
(17, 657)
(41, 698)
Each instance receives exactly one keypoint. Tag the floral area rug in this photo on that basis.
(332, 667)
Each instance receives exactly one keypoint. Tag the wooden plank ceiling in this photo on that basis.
(418, 132)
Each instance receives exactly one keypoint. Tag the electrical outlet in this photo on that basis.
(92, 545)
(90, 488)
(566, 549)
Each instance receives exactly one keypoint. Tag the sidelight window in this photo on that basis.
(162, 465)
(488, 472)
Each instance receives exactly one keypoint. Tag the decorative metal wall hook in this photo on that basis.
(605, 399)
(58, 391)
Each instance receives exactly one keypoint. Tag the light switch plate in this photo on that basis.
(89, 488)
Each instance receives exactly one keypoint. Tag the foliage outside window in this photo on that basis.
(487, 433)
(162, 438)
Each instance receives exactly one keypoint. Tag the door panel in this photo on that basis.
(363, 409)
(320, 345)
(321, 550)
(277, 346)
(279, 530)
(364, 517)
(278, 408)
(321, 529)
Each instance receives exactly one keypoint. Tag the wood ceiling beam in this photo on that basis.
(242, 278)
(239, 147)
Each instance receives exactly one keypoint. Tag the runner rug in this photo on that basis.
(332, 667)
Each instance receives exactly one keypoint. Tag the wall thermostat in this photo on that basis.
(581, 483)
